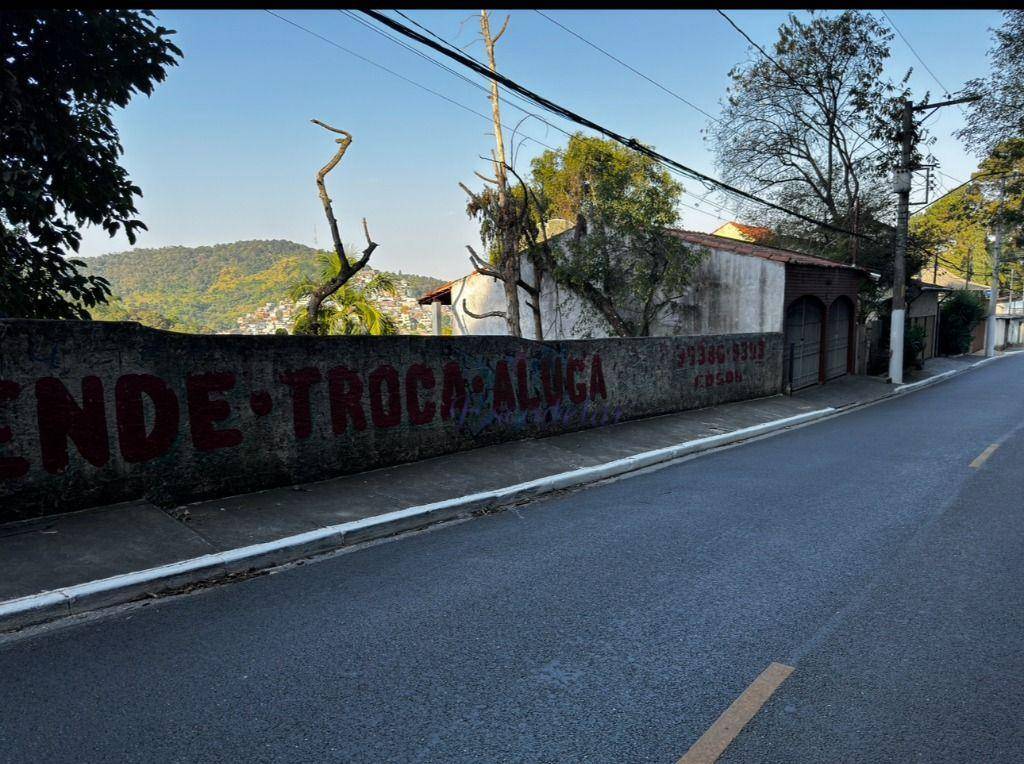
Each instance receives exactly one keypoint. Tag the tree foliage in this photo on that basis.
(61, 74)
(205, 289)
(620, 258)
(800, 129)
(999, 115)
(351, 309)
(956, 227)
(961, 312)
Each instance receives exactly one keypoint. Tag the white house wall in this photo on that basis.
(730, 293)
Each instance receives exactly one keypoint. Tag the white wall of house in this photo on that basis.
(730, 293)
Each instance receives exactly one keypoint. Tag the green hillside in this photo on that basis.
(205, 289)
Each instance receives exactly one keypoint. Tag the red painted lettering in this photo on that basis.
(453, 391)
(344, 390)
(552, 382)
(61, 418)
(577, 392)
(504, 397)
(10, 466)
(138, 445)
(302, 413)
(390, 415)
(597, 379)
(203, 411)
(526, 401)
(419, 375)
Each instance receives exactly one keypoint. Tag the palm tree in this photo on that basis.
(350, 310)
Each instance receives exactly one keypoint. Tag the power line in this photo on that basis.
(431, 32)
(927, 68)
(447, 68)
(580, 120)
(623, 63)
(705, 212)
(794, 80)
(946, 91)
(452, 101)
(974, 179)
(396, 74)
(451, 71)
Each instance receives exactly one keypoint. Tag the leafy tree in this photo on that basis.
(621, 258)
(955, 232)
(351, 309)
(61, 73)
(510, 222)
(187, 285)
(960, 313)
(799, 129)
(999, 114)
(116, 309)
(957, 226)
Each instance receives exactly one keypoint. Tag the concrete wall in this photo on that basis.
(96, 412)
(1008, 331)
(730, 293)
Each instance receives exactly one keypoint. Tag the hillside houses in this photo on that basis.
(403, 308)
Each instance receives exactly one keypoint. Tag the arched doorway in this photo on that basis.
(803, 342)
(837, 342)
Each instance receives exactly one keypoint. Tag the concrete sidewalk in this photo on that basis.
(60, 565)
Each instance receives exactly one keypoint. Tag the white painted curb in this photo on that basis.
(931, 380)
(951, 373)
(48, 605)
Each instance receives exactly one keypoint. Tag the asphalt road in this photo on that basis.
(610, 625)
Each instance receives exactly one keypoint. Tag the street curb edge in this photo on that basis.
(92, 595)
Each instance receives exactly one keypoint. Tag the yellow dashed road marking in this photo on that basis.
(980, 459)
(713, 743)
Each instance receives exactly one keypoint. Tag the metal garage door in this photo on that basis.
(839, 317)
(803, 342)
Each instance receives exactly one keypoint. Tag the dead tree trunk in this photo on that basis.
(346, 269)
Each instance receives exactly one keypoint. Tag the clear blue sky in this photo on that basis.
(224, 149)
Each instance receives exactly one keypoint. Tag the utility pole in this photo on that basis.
(993, 300)
(899, 277)
(902, 185)
(508, 241)
(855, 242)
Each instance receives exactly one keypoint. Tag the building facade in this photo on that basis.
(738, 287)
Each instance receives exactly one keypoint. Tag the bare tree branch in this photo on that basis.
(492, 314)
(346, 270)
(482, 266)
(503, 28)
